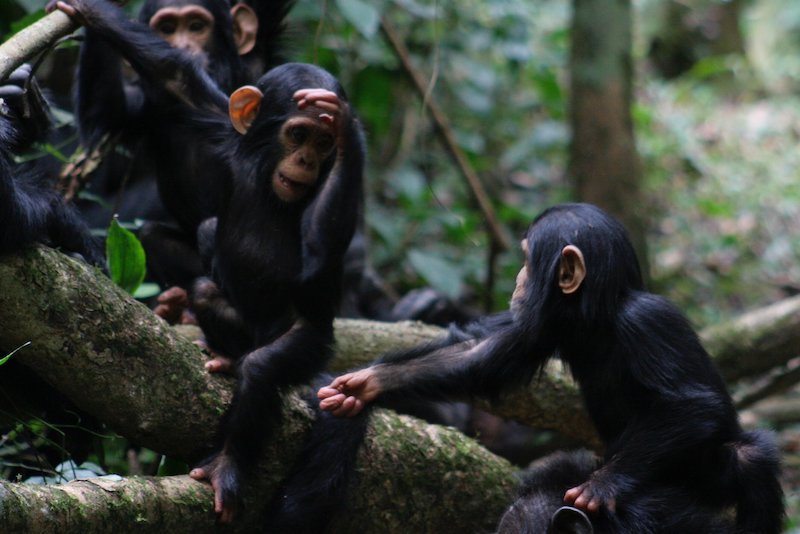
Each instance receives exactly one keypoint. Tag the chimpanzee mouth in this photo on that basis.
(293, 187)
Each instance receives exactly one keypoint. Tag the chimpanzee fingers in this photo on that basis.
(350, 406)
(340, 381)
(333, 403)
(11, 91)
(67, 9)
(321, 98)
(199, 474)
(219, 364)
(573, 494)
(327, 392)
(20, 74)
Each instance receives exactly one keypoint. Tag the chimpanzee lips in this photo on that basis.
(294, 188)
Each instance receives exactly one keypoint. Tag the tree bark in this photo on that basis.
(603, 162)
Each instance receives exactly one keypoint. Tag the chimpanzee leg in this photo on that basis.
(316, 489)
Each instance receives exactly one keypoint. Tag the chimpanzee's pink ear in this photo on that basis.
(243, 107)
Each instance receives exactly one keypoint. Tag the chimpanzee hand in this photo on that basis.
(12, 92)
(226, 481)
(335, 111)
(172, 305)
(601, 490)
(68, 7)
(348, 394)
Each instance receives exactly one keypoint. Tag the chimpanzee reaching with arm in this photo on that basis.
(287, 211)
(31, 210)
(657, 401)
(155, 148)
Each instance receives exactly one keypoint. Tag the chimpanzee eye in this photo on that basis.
(197, 25)
(167, 27)
(325, 143)
(298, 134)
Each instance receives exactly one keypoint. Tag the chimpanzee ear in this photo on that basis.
(243, 107)
(572, 270)
(245, 27)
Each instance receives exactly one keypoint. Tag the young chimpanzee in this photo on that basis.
(31, 210)
(160, 170)
(287, 209)
(674, 451)
(287, 216)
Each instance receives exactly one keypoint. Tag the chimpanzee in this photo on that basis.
(673, 444)
(31, 210)
(159, 170)
(287, 209)
(286, 219)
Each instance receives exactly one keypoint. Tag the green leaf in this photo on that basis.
(361, 15)
(6, 358)
(126, 258)
(146, 291)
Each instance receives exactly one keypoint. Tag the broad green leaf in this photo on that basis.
(125, 256)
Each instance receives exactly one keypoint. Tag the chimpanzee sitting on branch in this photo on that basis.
(675, 456)
(287, 209)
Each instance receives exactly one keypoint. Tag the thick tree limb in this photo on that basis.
(32, 40)
(117, 361)
(756, 341)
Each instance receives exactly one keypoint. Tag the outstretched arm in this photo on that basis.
(465, 368)
(158, 63)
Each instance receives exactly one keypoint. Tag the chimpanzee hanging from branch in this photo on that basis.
(675, 456)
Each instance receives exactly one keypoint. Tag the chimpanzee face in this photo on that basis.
(189, 27)
(307, 143)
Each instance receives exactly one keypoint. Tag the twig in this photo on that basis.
(448, 138)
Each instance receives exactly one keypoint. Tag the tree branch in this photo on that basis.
(114, 359)
(33, 40)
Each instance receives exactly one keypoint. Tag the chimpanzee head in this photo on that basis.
(296, 146)
(213, 33)
(579, 265)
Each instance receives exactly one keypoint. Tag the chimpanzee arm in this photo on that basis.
(158, 63)
(292, 359)
(30, 207)
(680, 406)
(331, 219)
(104, 102)
(464, 368)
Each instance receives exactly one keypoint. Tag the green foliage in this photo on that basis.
(125, 256)
(495, 68)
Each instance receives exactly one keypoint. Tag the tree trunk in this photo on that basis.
(604, 163)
